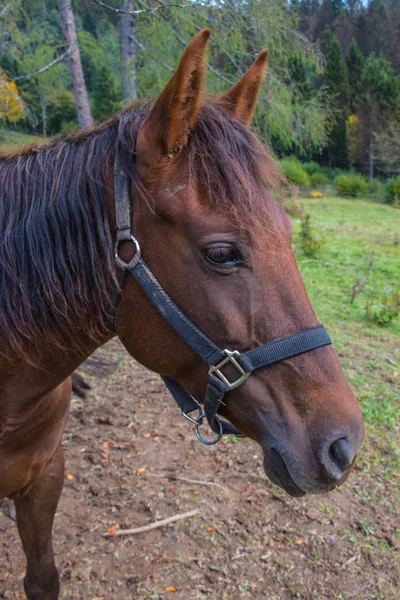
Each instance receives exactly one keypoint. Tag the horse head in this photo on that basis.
(219, 242)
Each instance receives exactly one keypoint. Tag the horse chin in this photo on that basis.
(277, 471)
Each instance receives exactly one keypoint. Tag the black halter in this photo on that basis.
(216, 359)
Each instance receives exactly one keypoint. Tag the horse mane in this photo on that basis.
(56, 256)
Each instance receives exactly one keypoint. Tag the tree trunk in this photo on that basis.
(75, 67)
(43, 104)
(127, 50)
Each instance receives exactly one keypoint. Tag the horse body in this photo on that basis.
(214, 237)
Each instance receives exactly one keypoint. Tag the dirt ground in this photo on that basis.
(249, 540)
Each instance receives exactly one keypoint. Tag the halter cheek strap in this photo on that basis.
(244, 364)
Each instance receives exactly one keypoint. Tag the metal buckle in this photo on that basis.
(199, 421)
(231, 356)
(127, 239)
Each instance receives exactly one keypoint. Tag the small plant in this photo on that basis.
(362, 280)
(351, 185)
(382, 307)
(309, 245)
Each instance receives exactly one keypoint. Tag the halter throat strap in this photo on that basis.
(244, 363)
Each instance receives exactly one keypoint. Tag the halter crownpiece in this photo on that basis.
(219, 384)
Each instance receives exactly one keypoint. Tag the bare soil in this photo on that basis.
(250, 539)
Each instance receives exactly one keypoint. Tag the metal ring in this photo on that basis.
(204, 441)
(132, 239)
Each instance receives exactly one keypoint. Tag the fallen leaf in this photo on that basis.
(108, 445)
(140, 471)
(111, 529)
(395, 474)
(256, 508)
(156, 438)
(70, 477)
(147, 435)
(209, 529)
(196, 493)
(298, 542)
(170, 589)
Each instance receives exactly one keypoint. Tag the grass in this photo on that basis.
(13, 140)
(350, 230)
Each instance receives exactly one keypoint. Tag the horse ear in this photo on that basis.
(167, 127)
(241, 99)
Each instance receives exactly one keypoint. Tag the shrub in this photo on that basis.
(350, 185)
(311, 167)
(376, 188)
(382, 307)
(295, 173)
(309, 245)
(317, 179)
(392, 190)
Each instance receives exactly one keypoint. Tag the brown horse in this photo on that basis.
(200, 189)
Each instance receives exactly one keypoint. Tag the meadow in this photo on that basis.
(360, 243)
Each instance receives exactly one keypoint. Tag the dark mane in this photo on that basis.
(56, 258)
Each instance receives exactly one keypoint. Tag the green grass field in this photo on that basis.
(370, 353)
(13, 140)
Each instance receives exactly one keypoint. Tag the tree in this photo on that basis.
(105, 98)
(378, 97)
(78, 82)
(337, 82)
(355, 64)
(128, 53)
(11, 106)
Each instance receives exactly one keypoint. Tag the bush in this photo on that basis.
(295, 173)
(392, 190)
(317, 179)
(376, 188)
(311, 167)
(351, 185)
(383, 306)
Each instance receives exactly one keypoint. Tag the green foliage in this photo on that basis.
(295, 173)
(378, 83)
(355, 64)
(61, 112)
(105, 97)
(317, 179)
(377, 188)
(392, 191)
(311, 167)
(310, 246)
(351, 185)
(383, 305)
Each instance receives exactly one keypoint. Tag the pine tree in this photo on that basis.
(337, 82)
(355, 64)
(105, 97)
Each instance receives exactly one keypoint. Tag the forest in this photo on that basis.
(331, 99)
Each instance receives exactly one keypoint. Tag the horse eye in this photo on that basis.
(226, 256)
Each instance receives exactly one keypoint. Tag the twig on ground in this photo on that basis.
(154, 525)
(187, 480)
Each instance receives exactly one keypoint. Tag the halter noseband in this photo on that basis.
(219, 384)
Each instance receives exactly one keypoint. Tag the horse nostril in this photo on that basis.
(340, 453)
